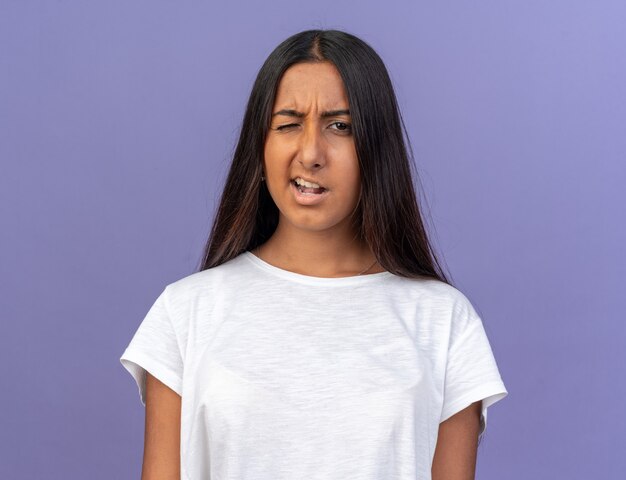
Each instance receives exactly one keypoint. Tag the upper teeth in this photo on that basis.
(304, 183)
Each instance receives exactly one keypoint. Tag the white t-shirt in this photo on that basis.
(290, 376)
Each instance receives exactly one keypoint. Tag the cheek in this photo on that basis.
(271, 161)
(268, 154)
(275, 152)
(355, 180)
(355, 190)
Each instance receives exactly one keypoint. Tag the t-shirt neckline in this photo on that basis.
(311, 280)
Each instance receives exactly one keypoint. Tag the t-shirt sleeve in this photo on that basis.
(471, 370)
(155, 348)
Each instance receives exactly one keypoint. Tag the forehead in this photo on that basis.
(310, 85)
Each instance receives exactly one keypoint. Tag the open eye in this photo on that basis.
(345, 127)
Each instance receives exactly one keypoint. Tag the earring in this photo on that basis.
(262, 178)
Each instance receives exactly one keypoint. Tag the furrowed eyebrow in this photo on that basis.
(295, 113)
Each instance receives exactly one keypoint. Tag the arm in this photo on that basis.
(161, 455)
(457, 444)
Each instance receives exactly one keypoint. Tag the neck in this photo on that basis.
(318, 253)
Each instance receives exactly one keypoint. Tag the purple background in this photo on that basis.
(117, 122)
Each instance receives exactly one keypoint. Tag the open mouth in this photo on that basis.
(308, 196)
(307, 190)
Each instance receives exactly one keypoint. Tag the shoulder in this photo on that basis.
(432, 292)
(444, 310)
(198, 292)
(458, 312)
(206, 281)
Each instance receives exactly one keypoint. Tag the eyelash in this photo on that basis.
(348, 129)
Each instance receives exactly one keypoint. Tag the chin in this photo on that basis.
(312, 221)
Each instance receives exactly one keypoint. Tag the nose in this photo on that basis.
(312, 147)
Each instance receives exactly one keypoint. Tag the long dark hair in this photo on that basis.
(387, 216)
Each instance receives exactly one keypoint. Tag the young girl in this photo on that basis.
(319, 339)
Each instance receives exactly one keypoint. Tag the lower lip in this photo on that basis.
(307, 198)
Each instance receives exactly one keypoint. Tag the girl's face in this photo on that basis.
(311, 138)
